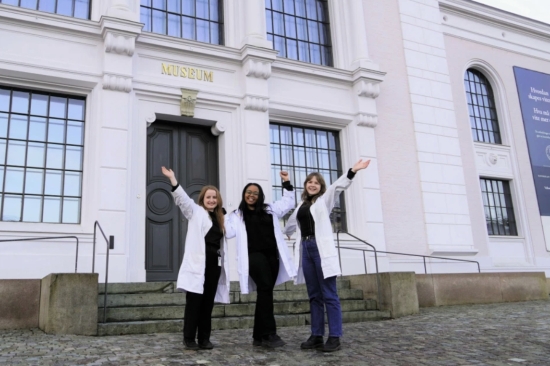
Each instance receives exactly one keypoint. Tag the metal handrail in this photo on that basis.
(398, 253)
(364, 262)
(110, 245)
(50, 238)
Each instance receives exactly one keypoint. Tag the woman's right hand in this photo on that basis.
(168, 173)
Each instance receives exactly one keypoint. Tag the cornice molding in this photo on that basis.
(40, 20)
(165, 43)
(498, 17)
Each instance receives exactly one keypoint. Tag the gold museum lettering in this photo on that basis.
(187, 72)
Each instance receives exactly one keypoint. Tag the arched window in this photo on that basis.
(481, 106)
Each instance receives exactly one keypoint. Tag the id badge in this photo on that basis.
(219, 261)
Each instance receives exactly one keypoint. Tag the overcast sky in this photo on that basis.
(536, 9)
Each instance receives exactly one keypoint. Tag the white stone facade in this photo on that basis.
(395, 95)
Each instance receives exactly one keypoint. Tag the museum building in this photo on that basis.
(448, 98)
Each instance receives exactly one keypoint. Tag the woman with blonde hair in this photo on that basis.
(317, 257)
(204, 272)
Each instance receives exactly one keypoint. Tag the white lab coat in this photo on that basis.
(320, 212)
(287, 270)
(191, 273)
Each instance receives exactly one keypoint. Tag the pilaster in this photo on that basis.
(446, 212)
(115, 117)
(256, 64)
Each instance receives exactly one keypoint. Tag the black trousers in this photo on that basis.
(198, 307)
(263, 267)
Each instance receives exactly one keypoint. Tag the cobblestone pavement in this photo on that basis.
(496, 334)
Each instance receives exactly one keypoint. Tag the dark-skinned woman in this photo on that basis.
(263, 257)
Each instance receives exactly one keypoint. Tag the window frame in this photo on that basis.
(477, 112)
(338, 212)
(148, 27)
(55, 6)
(61, 196)
(507, 192)
(322, 23)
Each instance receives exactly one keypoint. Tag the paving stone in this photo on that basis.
(496, 334)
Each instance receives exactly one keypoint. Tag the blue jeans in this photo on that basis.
(322, 293)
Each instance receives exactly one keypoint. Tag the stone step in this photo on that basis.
(176, 326)
(177, 298)
(170, 287)
(129, 314)
(281, 296)
(137, 287)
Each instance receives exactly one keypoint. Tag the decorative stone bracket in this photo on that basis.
(119, 43)
(254, 103)
(117, 83)
(257, 69)
(369, 89)
(366, 119)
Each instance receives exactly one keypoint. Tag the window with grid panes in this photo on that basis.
(71, 8)
(299, 30)
(481, 107)
(41, 156)
(301, 151)
(499, 211)
(199, 20)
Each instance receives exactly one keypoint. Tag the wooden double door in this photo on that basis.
(192, 152)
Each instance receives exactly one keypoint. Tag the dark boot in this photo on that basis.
(312, 342)
(272, 341)
(257, 342)
(333, 344)
(205, 344)
(190, 344)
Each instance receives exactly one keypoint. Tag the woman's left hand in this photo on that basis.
(360, 165)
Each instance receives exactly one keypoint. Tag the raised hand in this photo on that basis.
(360, 165)
(284, 176)
(168, 173)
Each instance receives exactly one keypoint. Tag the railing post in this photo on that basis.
(365, 262)
(93, 249)
(110, 245)
(425, 270)
(76, 259)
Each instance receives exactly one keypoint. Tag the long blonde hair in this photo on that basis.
(321, 180)
(218, 210)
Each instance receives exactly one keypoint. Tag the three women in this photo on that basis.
(263, 257)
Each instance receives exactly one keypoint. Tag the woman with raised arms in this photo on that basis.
(204, 272)
(317, 257)
(262, 254)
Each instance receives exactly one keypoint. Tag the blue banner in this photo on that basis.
(534, 98)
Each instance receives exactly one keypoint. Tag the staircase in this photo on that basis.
(155, 307)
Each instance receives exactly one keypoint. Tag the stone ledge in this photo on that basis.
(480, 288)
(19, 304)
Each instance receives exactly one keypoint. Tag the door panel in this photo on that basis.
(192, 152)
